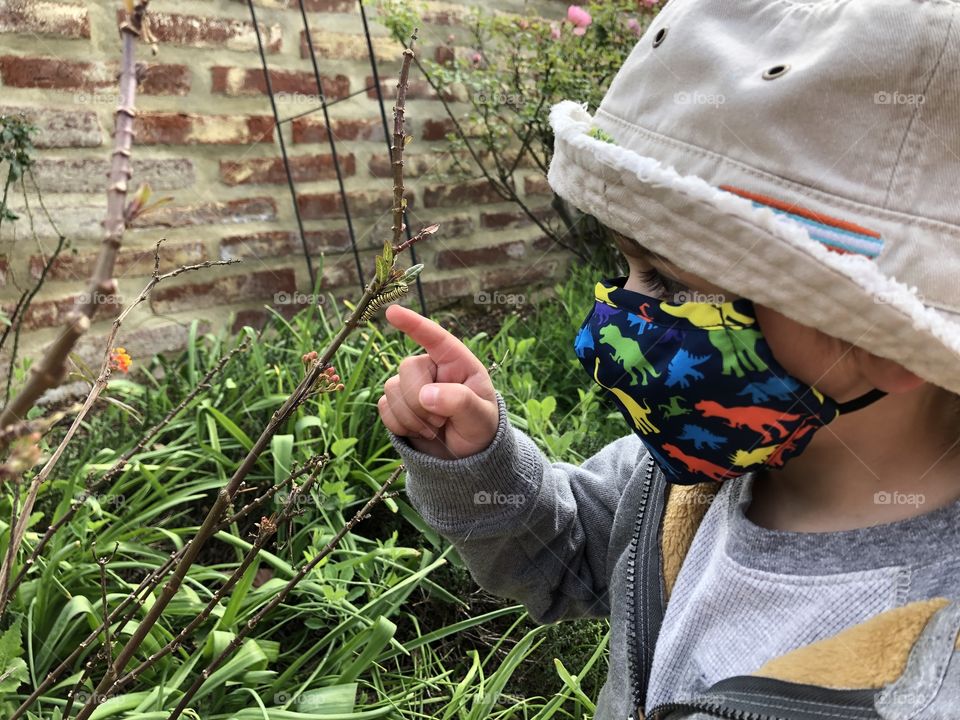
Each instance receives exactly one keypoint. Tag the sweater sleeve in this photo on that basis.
(528, 529)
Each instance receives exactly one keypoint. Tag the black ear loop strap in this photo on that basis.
(861, 402)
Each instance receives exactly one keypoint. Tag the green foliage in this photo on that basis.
(547, 392)
(601, 134)
(17, 151)
(516, 69)
(520, 66)
(13, 669)
(373, 631)
(385, 262)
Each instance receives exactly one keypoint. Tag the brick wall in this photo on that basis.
(206, 137)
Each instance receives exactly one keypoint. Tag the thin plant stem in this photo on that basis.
(17, 532)
(249, 626)
(121, 463)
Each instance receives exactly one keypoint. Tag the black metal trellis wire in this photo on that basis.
(323, 107)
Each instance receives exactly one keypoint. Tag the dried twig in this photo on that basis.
(102, 563)
(399, 142)
(17, 532)
(271, 491)
(133, 601)
(52, 367)
(16, 316)
(119, 464)
(386, 277)
(40, 425)
(248, 627)
(500, 185)
(267, 528)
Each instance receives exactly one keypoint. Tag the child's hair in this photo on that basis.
(954, 399)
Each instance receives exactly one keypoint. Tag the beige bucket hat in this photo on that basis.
(805, 155)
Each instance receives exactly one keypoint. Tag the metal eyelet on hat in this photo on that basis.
(776, 71)
(660, 36)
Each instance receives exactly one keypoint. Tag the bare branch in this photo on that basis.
(52, 368)
(248, 627)
(267, 528)
(399, 141)
(120, 463)
(17, 532)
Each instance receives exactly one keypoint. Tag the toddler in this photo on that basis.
(778, 534)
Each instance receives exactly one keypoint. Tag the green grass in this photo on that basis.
(390, 625)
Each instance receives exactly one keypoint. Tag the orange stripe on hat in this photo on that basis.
(802, 212)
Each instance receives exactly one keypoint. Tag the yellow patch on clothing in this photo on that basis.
(686, 506)
(869, 655)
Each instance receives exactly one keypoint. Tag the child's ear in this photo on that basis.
(886, 374)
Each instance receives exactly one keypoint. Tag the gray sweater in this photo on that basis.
(565, 541)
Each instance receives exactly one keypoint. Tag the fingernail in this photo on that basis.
(429, 395)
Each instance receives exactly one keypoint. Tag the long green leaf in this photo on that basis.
(380, 635)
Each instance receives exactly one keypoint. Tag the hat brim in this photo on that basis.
(750, 250)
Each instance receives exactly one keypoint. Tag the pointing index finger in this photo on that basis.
(442, 346)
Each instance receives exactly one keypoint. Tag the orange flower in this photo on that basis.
(120, 360)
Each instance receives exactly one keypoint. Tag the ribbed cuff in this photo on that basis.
(474, 493)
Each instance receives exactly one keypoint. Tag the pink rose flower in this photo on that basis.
(579, 18)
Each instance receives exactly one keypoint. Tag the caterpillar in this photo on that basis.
(378, 302)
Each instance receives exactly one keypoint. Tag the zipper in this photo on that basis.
(715, 709)
(644, 628)
(741, 697)
(748, 697)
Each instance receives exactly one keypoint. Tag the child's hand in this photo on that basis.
(462, 419)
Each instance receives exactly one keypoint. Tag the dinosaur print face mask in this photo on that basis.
(698, 383)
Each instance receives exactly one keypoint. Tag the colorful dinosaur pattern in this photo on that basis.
(759, 419)
(683, 369)
(777, 458)
(701, 436)
(738, 350)
(673, 407)
(639, 415)
(637, 320)
(602, 293)
(605, 312)
(781, 388)
(709, 316)
(627, 352)
(698, 465)
(584, 342)
(746, 458)
(697, 383)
